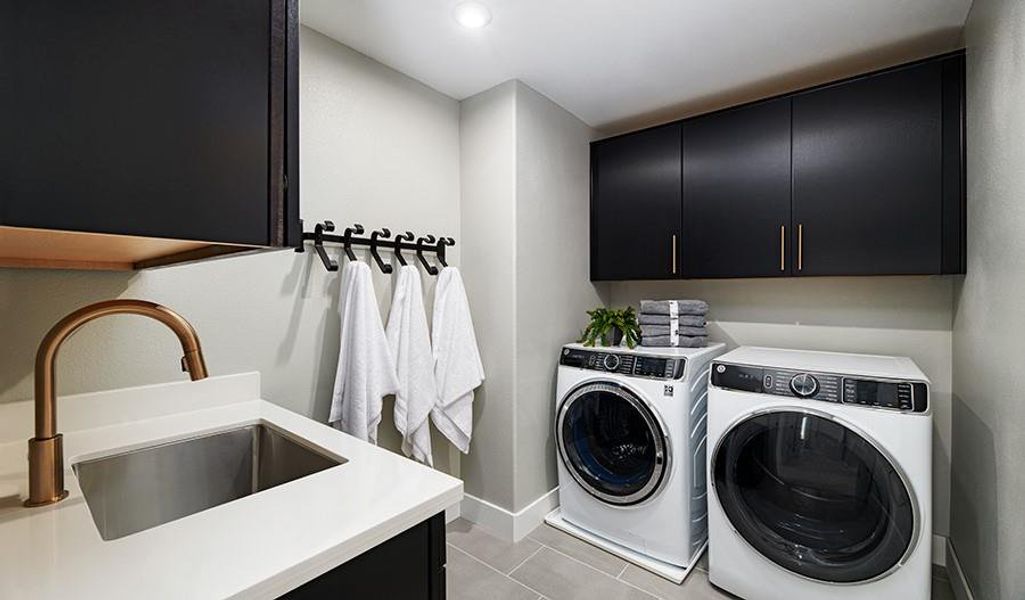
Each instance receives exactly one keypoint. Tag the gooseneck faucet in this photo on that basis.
(46, 449)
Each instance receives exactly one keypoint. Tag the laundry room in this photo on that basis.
(488, 299)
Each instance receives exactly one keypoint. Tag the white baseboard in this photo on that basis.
(939, 550)
(958, 581)
(515, 526)
(507, 525)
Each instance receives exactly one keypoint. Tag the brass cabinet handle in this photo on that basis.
(782, 247)
(674, 254)
(800, 246)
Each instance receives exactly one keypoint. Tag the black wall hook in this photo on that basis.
(402, 237)
(347, 238)
(429, 239)
(318, 244)
(442, 243)
(384, 233)
(376, 241)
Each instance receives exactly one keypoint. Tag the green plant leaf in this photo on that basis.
(605, 320)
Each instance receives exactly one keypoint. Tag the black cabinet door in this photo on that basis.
(736, 192)
(867, 178)
(635, 205)
(147, 117)
(409, 566)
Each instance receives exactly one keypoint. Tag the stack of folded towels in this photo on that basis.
(673, 323)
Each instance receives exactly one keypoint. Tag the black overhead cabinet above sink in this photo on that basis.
(859, 177)
(144, 132)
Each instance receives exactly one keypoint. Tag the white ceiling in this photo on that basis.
(610, 60)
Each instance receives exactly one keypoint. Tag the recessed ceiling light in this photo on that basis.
(472, 15)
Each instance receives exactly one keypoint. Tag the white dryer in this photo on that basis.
(630, 430)
(820, 466)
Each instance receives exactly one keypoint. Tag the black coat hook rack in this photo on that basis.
(378, 239)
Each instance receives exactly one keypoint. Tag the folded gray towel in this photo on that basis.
(683, 341)
(683, 320)
(656, 330)
(685, 307)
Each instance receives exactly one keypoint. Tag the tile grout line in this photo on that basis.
(519, 583)
(626, 583)
(626, 565)
(540, 547)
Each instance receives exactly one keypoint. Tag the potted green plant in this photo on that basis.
(612, 327)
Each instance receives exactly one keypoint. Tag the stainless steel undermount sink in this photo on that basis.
(139, 489)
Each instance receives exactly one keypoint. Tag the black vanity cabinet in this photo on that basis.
(174, 123)
(870, 187)
(736, 192)
(409, 566)
(635, 205)
(859, 177)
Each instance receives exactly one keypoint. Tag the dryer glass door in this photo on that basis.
(611, 443)
(814, 496)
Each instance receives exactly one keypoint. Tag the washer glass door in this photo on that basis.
(611, 443)
(814, 496)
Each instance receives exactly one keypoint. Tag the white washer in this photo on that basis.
(630, 430)
(820, 468)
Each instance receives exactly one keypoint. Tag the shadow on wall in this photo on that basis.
(929, 44)
(974, 534)
(918, 303)
(25, 319)
(297, 285)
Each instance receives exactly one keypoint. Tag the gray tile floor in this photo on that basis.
(549, 564)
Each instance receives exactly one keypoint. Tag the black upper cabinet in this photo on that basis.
(868, 159)
(153, 118)
(736, 192)
(635, 205)
(860, 177)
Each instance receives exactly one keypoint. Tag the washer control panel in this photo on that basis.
(804, 385)
(636, 365)
(909, 396)
(885, 394)
(814, 386)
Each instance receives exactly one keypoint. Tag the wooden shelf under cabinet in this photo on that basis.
(22, 247)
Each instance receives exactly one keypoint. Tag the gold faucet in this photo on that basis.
(46, 450)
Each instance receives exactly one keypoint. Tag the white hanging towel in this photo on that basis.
(410, 344)
(366, 371)
(457, 366)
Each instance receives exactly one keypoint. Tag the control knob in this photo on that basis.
(611, 362)
(804, 385)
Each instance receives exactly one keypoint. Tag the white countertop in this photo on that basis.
(259, 546)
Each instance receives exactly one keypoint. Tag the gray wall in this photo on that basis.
(525, 198)
(552, 273)
(909, 316)
(488, 212)
(987, 515)
(377, 147)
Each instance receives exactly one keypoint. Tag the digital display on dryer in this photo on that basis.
(884, 394)
(650, 367)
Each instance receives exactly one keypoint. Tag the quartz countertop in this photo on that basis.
(259, 546)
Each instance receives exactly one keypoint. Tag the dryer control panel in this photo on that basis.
(909, 396)
(635, 365)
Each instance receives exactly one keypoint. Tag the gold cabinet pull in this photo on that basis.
(674, 254)
(782, 247)
(800, 246)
